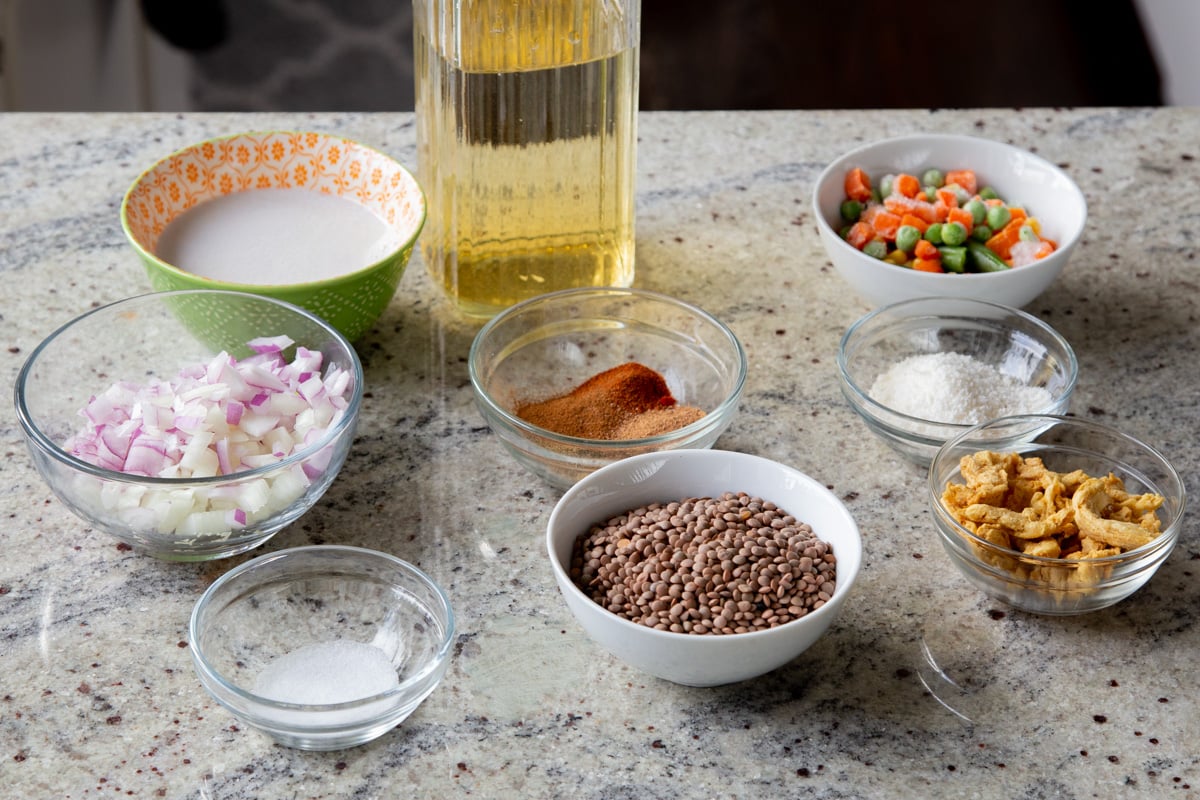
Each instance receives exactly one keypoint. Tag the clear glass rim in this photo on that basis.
(45, 444)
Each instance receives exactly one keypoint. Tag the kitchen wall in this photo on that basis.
(330, 54)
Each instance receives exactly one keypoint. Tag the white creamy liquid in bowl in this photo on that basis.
(275, 236)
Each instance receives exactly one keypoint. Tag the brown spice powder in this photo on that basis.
(629, 401)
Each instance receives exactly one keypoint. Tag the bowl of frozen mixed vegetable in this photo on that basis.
(940, 215)
(182, 447)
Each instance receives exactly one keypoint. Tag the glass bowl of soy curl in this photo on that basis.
(543, 347)
(1068, 583)
(921, 372)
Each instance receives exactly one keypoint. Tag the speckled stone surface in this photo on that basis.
(97, 693)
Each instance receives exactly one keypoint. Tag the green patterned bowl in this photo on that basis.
(351, 301)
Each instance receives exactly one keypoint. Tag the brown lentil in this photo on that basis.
(706, 565)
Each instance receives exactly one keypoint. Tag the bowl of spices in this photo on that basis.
(577, 379)
(703, 567)
(322, 647)
(1055, 515)
(314, 219)
(920, 372)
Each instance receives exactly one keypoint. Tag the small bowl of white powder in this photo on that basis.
(322, 647)
(920, 372)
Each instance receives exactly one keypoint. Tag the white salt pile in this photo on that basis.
(327, 672)
(955, 388)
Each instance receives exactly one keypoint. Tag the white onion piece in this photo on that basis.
(216, 418)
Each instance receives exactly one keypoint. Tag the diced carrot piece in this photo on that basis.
(927, 249)
(927, 265)
(885, 224)
(964, 178)
(1002, 241)
(858, 185)
(908, 205)
(1018, 214)
(859, 234)
(948, 197)
(993, 201)
(963, 216)
(941, 211)
(915, 221)
(906, 185)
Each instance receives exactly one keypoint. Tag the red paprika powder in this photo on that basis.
(629, 401)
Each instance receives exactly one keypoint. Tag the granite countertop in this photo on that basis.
(98, 697)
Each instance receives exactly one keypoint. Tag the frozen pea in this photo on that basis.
(876, 248)
(907, 237)
(933, 234)
(981, 233)
(998, 217)
(988, 193)
(933, 177)
(885, 184)
(954, 233)
(851, 209)
(976, 209)
(1027, 234)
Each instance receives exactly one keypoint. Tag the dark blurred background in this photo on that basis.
(307, 55)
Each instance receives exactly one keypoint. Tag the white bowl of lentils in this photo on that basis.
(703, 567)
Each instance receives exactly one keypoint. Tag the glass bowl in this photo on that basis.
(694, 659)
(1058, 586)
(104, 360)
(549, 345)
(1016, 344)
(322, 647)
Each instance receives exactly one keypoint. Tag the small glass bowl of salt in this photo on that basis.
(920, 372)
(322, 647)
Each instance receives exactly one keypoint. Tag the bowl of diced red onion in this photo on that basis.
(180, 446)
(867, 199)
(921, 372)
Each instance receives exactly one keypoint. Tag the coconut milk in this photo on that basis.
(275, 236)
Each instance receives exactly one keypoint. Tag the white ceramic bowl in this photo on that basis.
(685, 658)
(1018, 345)
(1020, 177)
(1058, 586)
(321, 608)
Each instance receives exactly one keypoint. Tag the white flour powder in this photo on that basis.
(956, 388)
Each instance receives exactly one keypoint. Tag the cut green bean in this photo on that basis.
(1026, 233)
(984, 259)
(954, 259)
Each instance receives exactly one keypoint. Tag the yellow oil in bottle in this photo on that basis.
(526, 115)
